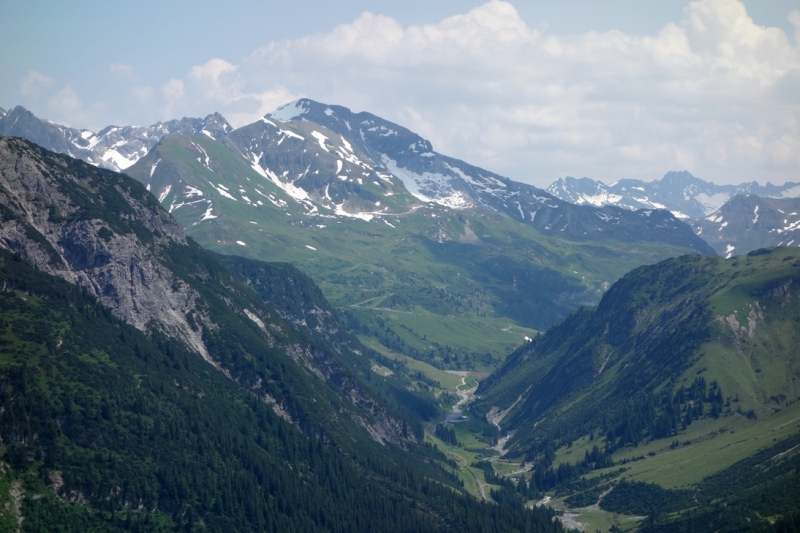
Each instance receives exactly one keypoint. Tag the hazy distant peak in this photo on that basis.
(681, 177)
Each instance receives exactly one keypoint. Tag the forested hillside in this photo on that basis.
(147, 387)
(107, 429)
(685, 372)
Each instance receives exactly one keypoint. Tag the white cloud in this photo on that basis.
(67, 108)
(67, 100)
(143, 94)
(220, 83)
(794, 18)
(173, 94)
(714, 92)
(33, 83)
(172, 90)
(217, 80)
(122, 72)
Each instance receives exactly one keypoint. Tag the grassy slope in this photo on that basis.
(758, 375)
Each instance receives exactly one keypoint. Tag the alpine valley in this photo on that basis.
(150, 385)
(316, 322)
(426, 255)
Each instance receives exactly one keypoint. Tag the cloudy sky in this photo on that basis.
(532, 90)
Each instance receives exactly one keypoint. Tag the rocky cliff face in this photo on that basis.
(54, 218)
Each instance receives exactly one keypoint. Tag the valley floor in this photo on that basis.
(707, 447)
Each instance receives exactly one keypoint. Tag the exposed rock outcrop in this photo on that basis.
(56, 218)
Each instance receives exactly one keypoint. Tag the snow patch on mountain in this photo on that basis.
(792, 192)
(204, 156)
(290, 111)
(191, 192)
(648, 202)
(339, 210)
(120, 161)
(321, 139)
(428, 186)
(164, 193)
(712, 202)
(221, 189)
(599, 199)
(207, 215)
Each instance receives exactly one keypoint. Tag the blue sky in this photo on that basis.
(533, 90)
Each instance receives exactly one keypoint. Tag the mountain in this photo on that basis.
(686, 196)
(298, 191)
(747, 222)
(683, 374)
(466, 271)
(148, 384)
(322, 197)
(104, 232)
(114, 147)
(433, 177)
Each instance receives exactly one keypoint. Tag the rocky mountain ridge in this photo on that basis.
(747, 222)
(336, 162)
(395, 151)
(61, 240)
(113, 147)
(686, 196)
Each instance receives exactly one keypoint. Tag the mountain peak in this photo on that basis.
(682, 177)
(292, 110)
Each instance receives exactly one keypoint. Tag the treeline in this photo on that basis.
(446, 433)
(545, 477)
(758, 494)
(659, 416)
(647, 416)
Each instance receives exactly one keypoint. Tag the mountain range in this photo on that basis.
(113, 147)
(725, 216)
(394, 231)
(310, 156)
(748, 222)
(686, 196)
(150, 383)
(358, 165)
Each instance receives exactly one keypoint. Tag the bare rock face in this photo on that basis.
(56, 216)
